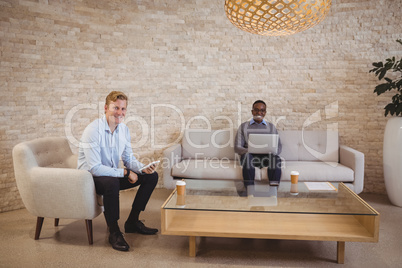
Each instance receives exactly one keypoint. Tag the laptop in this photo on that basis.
(263, 143)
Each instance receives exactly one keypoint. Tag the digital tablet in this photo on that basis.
(150, 164)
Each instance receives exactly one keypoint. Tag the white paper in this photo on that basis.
(320, 186)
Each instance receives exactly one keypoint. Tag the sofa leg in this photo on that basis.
(88, 224)
(39, 223)
(56, 222)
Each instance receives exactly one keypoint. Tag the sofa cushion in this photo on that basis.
(314, 171)
(208, 169)
(310, 145)
(203, 143)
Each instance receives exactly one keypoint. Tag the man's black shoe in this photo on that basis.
(139, 227)
(117, 241)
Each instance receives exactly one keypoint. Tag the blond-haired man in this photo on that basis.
(104, 142)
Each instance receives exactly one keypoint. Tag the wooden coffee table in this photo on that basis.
(220, 209)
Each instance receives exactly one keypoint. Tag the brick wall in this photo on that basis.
(185, 63)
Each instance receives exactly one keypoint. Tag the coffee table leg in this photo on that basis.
(192, 245)
(341, 252)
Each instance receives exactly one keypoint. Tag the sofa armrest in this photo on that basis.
(355, 160)
(64, 193)
(171, 156)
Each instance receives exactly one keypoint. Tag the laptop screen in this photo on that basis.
(263, 143)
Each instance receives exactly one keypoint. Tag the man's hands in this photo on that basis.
(133, 177)
(149, 170)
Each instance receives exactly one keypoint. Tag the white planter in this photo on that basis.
(393, 160)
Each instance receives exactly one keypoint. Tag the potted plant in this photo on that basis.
(392, 148)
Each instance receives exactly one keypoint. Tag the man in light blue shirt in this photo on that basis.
(103, 143)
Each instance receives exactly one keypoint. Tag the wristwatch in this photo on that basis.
(128, 173)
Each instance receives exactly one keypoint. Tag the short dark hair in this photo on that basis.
(259, 101)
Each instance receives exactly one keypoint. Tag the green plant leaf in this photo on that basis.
(398, 84)
(390, 108)
(381, 88)
(389, 65)
(378, 64)
(382, 74)
(398, 110)
(399, 65)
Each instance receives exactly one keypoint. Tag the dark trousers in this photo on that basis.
(110, 187)
(251, 161)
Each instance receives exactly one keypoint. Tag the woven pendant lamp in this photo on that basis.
(276, 17)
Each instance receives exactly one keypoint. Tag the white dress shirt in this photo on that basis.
(100, 150)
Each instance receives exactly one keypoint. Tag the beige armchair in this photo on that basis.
(50, 185)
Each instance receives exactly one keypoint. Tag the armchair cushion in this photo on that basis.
(323, 171)
(64, 193)
(201, 143)
(207, 169)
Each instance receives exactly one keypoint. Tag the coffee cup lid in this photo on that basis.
(294, 173)
(180, 183)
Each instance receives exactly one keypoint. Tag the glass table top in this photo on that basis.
(225, 195)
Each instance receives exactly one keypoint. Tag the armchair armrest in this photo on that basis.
(171, 156)
(355, 160)
(64, 193)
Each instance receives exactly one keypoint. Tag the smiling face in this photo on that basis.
(115, 112)
(258, 112)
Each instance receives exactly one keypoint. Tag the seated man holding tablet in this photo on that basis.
(258, 144)
(104, 142)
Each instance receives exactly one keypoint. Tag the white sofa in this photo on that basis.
(317, 155)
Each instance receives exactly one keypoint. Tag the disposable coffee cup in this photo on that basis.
(294, 177)
(293, 189)
(181, 187)
(181, 200)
